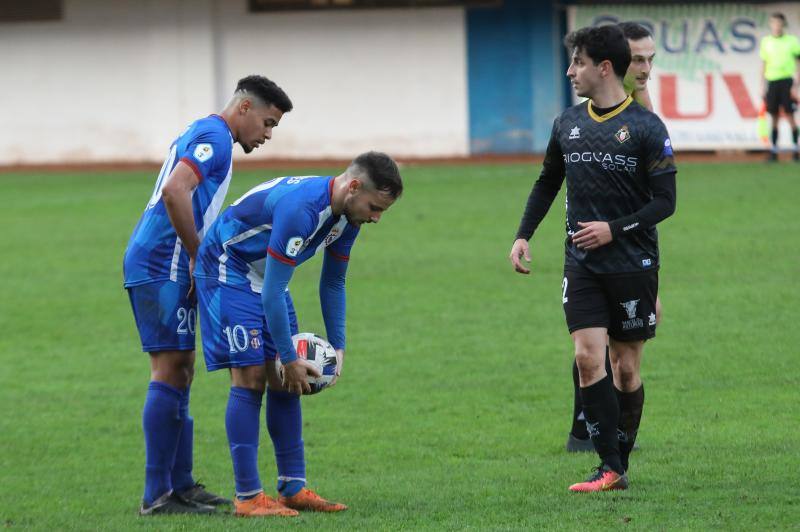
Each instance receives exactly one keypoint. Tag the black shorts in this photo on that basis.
(779, 96)
(625, 304)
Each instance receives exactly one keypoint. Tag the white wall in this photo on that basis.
(116, 81)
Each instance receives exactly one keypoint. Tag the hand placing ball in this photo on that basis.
(317, 353)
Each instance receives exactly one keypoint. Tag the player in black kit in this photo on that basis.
(617, 159)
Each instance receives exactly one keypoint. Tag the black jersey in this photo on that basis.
(619, 169)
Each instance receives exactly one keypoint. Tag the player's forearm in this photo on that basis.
(539, 202)
(273, 299)
(332, 297)
(545, 189)
(179, 209)
(661, 207)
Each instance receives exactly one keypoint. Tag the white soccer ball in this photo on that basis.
(319, 353)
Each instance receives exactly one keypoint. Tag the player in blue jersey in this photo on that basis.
(243, 270)
(157, 269)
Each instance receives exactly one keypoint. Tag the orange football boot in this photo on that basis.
(307, 500)
(603, 479)
(261, 506)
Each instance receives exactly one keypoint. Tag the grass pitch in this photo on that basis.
(456, 395)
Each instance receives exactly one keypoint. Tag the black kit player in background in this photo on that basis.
(617, 159)
(643, 52)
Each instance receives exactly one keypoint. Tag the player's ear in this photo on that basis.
(245, 105)
(354, 186)
(606, 68)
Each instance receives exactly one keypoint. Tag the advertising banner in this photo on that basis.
(706, 80)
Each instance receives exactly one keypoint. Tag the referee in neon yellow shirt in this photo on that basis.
(780, 53)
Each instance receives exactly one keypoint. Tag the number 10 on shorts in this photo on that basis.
(237, 338)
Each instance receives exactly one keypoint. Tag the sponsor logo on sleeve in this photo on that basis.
(294, 246)
(628, 227)
(203, 152)
(667, 148)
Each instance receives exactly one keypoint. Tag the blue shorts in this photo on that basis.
(235, 332)
(164, 316)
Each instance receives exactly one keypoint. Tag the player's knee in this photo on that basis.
(251, 377)
(626, 374)
(180, 376)
(175, 368)
(626, 369)
(590, 366)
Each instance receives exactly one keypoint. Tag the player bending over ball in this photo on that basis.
(243, 271)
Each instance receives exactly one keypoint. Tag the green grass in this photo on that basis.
(456, 396)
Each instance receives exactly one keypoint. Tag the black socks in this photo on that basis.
(578, 420)
(602, 418)
(630, 415)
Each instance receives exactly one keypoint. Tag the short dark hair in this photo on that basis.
(382, 171)
(634, 31)
(780, 16)
(265, 90)
(602, 43)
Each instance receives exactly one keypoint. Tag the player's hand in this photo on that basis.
(339, 364)
(592, 235)
(519, 251)
(190, 294)
(295, 376)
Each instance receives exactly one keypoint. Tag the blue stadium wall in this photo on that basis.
(515, 65)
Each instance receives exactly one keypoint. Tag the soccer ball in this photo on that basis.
(320, 353)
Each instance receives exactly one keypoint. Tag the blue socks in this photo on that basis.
(162, 426)
(285, 425)
(242, 423)
(182, 469)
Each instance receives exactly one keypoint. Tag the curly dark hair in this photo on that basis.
(602, 43)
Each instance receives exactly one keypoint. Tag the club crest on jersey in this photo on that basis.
(294, 246)
(203, 152)
(575, 133)
(622, 134)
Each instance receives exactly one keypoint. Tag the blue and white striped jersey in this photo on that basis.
(289, 218)
(154, 251)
